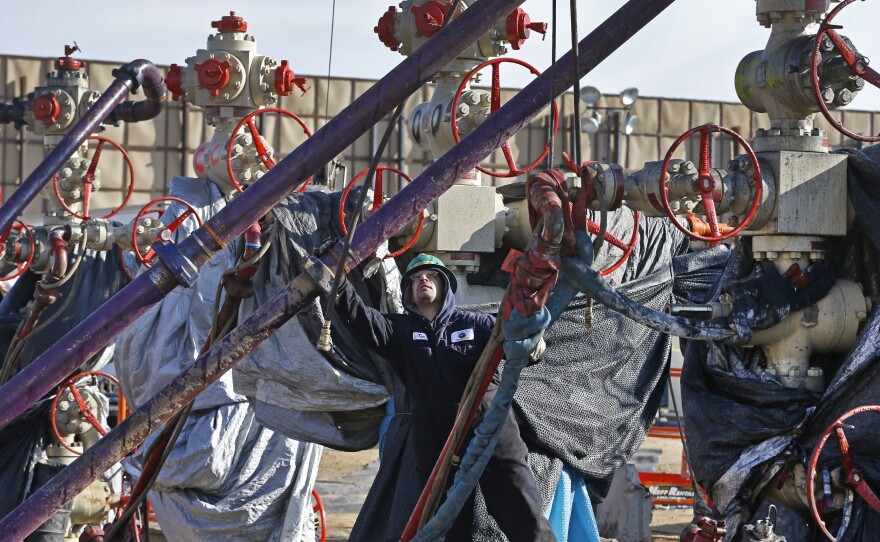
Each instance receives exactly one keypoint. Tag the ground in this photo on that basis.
(345, 477)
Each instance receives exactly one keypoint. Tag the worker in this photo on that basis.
(434, 347)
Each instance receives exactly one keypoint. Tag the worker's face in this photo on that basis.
(426, 286)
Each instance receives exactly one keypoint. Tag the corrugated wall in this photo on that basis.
(162, 148)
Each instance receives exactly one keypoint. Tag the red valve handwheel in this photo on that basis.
(626, 248)
(190, 210)
(854, 475)
(320, 518)
(377, 202)
(857, 63)
(495, 104)
(90, 177)
(23, 266)
(80, 403)
(258, 141)
(706, 183)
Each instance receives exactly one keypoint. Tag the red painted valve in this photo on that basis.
(377, 202)
(22, 266)
(262, 152)
(519, 26)
(90, 178)
(320, 518)
(708, 186)
(190, 210)
(80, 404)
(495, 104)
(858, 65)
(580, 221)
(46, 108)
(854, 475)
(385, 28)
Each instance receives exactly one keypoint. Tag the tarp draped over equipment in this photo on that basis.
(744, 427)
(335, 399)
(227, 477)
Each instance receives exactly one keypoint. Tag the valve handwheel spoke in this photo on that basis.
(21, 266)
(89, 179)
(853, 474)
(377, 202)
(857, 63)
(87, 413)
(262, 152)
(261, 147)
(707, 184)
(495, 105)
(170, 228)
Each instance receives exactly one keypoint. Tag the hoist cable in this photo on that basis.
(576, 125)
(552, 136)
(330, 60)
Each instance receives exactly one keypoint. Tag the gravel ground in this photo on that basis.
(345, 478)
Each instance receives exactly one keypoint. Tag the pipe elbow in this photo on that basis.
(140, 73)
(58, 252)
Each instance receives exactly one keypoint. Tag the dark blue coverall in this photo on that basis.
(434, 359)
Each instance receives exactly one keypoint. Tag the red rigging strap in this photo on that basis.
(149, 287)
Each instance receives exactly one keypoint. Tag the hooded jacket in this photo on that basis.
(434, 359)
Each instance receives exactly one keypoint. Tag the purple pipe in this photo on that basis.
(127, 79)
(117, 313)
(301, 291)
(154, 94)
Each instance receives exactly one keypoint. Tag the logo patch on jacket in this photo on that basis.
(463, 335)
(419, 336)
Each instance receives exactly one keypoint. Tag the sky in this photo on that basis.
(690, 50)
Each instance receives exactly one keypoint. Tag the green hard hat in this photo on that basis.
(426, 260)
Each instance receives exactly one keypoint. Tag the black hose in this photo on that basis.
(592, 284)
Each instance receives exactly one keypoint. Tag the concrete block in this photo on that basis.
(625, 514)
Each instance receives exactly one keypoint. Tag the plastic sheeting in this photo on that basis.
(335, 399)
(744, 427)
(227, 477)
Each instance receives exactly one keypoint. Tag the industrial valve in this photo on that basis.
(805, 68)
(250, 153)
(233, 83)
(854, 477)
(78, 411)
(378, 200)
(80, 177)
(836, 82)
(471, 107)
(406, 29)
(469, 219)
(148, 230)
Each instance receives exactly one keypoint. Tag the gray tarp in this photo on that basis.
(228, 477)
(335, 399)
